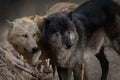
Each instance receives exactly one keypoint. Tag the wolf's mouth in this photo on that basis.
(67, 46)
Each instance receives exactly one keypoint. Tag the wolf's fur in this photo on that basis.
(62, 7)
(101, 14)
(24, 36)
(66, 50)
(113, 32)
(61, 42)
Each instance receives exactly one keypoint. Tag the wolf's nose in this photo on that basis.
(68, 46)
(35, 49)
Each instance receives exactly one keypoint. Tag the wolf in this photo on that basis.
(66, 36)
(62, 43)
(24, 36)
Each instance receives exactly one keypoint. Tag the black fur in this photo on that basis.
(63, 44)
(95, 14)
(104, 63)
(66, 53)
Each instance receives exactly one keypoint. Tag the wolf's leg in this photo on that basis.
(63, 73)
(104, 64)
(77, 72)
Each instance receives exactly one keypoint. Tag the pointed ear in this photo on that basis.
(46, 20)
(31, 17)
(10, 23)
(70, 15)
(45, 26)
(39, 20)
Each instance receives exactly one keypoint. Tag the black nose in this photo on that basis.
(68, 46)
(35, 49)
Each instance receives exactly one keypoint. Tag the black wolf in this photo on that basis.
(65, 36)
(63, 44)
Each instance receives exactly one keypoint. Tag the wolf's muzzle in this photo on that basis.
(35, 49)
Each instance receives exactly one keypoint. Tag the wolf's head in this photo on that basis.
(24, 34)
(59, 31)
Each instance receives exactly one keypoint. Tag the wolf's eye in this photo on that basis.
(25, 35)
(34, 35)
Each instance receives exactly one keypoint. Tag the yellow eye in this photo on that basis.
(25, 35)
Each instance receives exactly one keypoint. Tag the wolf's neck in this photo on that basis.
(25, 54)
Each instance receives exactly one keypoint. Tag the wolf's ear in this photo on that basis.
(45, 25)
(39, 20)
(10, 23)
(70, 15)
(31, 17)
(46, 21)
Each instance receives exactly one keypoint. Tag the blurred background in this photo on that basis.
(11, 9)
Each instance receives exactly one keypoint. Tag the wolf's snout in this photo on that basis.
(35, 49)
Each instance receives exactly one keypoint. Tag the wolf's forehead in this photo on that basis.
(31, 27)
(26, 27)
